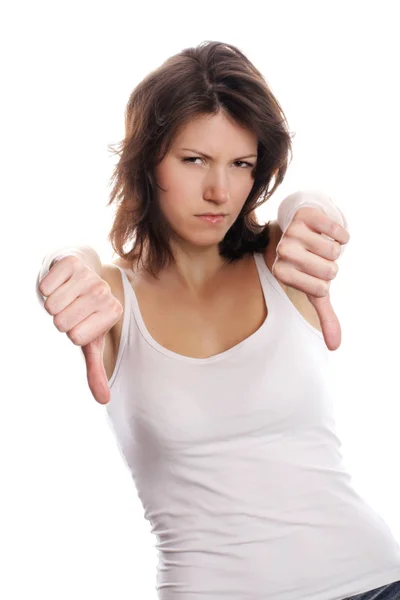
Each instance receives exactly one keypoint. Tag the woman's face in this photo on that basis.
(207, 170)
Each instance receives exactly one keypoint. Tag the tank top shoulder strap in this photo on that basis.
(128, 301)
(270, 284)
(277, 299)
(128, 292)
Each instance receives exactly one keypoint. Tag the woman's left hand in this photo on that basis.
(305, 260)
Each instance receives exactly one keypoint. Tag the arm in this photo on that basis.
(309, 274)
(96, 340)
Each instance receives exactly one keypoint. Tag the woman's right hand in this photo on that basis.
(84, 308)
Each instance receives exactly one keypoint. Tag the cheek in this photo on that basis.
(174, 206)
(242, 190)
(247, 186)
(180, 190)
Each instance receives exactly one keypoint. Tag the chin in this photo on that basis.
(211, 238)
(207, 238)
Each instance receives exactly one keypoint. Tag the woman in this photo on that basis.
(217, 370)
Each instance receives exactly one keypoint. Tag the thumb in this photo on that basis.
(330, 325)
(95, 371)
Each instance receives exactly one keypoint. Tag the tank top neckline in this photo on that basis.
(262, 269)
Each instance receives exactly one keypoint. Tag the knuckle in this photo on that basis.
(333, 230)
(283, 250)
(281, 273)
(90, 272)
(100, 289)
(43, 289)
(331, 271)
(323, 289)
(59, 323)
(277, 270)
(335, 250)
(75, 337)
(86, 273)
(292, 225)
(299, 214)
(48, 307)
(74, 261)
(118, 310)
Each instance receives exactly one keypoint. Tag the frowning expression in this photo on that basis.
(207, 171)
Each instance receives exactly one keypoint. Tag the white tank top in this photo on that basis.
(238, 466)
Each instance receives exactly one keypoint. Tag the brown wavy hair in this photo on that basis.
(210, 77)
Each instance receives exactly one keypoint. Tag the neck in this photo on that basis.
(195, 268)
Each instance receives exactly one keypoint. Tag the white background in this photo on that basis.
(71, 523)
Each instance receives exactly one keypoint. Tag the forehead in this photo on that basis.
(216, 133)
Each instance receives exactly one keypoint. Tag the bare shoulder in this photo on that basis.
(112, 275)
(298, 298)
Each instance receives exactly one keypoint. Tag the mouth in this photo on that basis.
(212, 217)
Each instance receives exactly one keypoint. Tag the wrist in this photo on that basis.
(292, 203)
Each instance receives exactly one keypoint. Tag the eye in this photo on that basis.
(243, 162)
(191, 158)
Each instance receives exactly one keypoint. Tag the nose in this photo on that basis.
(216, 187)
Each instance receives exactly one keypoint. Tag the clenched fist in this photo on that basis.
(306, 260)
(84, 308)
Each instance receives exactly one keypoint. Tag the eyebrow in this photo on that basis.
(210, 157)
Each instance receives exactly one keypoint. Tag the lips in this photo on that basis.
(210, 218)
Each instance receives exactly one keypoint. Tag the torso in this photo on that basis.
(229, 313)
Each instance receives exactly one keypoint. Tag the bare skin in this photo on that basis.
(200, 306)
(232, 310)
